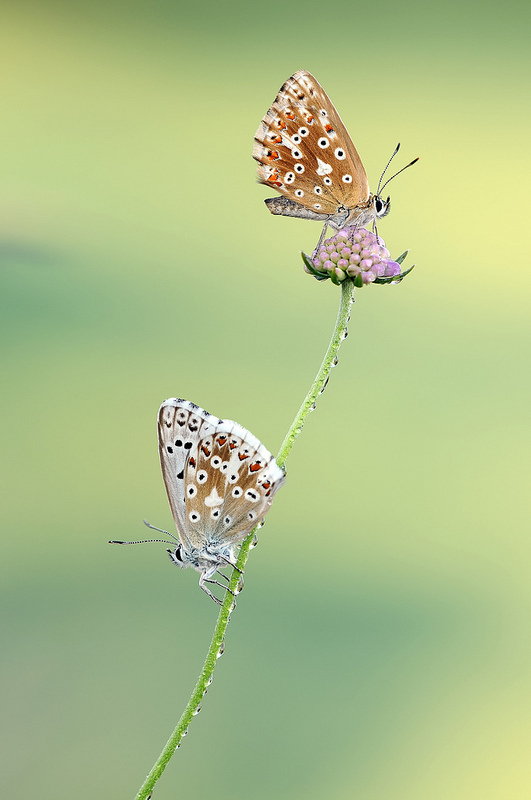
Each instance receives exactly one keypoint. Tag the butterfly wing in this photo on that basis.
(305, 151)
(181, 425)
(231, 480)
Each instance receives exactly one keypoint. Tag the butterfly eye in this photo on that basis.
(381, 207)
(177, 555)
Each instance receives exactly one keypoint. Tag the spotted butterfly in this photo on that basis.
(220, 482)
(306, 153)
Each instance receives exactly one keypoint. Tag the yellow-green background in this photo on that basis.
(381, 647)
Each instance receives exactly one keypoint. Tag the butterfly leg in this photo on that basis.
(222, 574)
(206, 577)
(217, 583)
(210, 594)
(231, 564)
(321, 237)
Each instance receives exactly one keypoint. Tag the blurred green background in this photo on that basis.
(381, 647)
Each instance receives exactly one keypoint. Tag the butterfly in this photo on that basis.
(220, 481)
(306, 153)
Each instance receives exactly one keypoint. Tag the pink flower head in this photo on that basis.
(354, 253)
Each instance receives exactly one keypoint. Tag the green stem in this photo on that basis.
(329, 361)
(193, 705)
(217, 643)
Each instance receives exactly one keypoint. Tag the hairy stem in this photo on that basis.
(329, 361)
(217, 643)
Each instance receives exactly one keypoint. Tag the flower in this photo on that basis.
(354, 253)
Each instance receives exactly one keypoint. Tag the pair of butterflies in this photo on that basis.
(220, 480)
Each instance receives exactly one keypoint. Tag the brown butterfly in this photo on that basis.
(306, 153)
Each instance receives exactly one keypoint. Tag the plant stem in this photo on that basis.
(214, 651)
(217, 643)
(329, 361)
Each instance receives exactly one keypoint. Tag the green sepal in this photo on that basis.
(401, 257)
(394, 278)
(358, 280)
(320, 276)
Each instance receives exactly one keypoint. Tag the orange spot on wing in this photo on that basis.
(328, 128)
(192, 461)
(205, 450)
(277, 139)
(255, 467)
(290, 115)
(221, 440)
(274, 178)
(243, 456)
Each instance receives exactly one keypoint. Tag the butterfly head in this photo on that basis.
(363, 214)
(381, 207)
(176, 556)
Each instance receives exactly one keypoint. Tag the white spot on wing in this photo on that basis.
(213, 499)
(323, 169)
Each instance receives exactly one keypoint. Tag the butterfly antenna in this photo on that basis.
(160, 530)
(146, 541)
(397, 148)
(142, 541)
(398, 173)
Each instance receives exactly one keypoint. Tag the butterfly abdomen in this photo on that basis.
(289, 208)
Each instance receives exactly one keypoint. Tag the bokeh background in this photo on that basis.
(381, 648)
